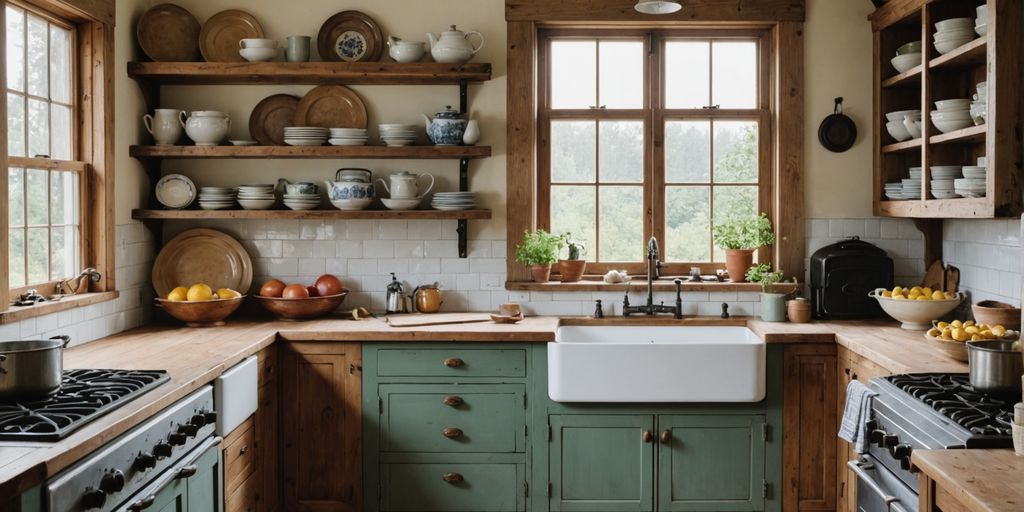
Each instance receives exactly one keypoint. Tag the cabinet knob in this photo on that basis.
(452, 478)
(454, 362)
(453, 401)
(243, 450)
(666, 436)
(451, 432)
(648, 436)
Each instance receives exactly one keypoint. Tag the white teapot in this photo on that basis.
(405, 185)
(453, 46)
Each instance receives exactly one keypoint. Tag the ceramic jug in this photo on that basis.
(405, 185)
(206, 127)
(164, 126)
(446, 128)
(453, 45)
(427, 298)
(472, 135)
(405, 51)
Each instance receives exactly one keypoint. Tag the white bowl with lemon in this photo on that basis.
(951, 338)
(200, 306)
(916, 307)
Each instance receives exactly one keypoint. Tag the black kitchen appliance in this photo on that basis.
(843, 273)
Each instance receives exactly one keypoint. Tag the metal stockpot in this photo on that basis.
(31, 368)
(996, 367)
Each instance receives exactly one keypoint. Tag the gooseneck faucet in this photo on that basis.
(653, 268)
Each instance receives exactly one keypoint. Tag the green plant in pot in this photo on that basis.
(740, 237)
(539, 251)
(773, 305)
(572, 268)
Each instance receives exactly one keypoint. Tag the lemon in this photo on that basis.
(913, 295)
(942, 325)
(227, 293)
(926, 291)
(923, 297)
(938, 296)
(178, 294)
(959, 334)
(947, 334)
(956, 323)
(934, 333)
(200, 292)
(886, 294)
(976, 337)
(899, 297)
(999, 331)
(916, 289)
(971, 329)
(949, 295)
(968, 323)
(897, 291)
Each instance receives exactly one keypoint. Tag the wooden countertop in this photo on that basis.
(981, 480)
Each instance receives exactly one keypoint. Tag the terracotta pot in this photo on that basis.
(571, 270)
(799, 310)
(738, 262)
(541, 273)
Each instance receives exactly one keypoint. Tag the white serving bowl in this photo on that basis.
(256, 204)
(953, 104)
(913, 127)
(938, 194)
(960, 33)
(899, 115)
(906, 62)
(400, 204)
(953, 24)
(897, 130)
(352, 204)
(257, 43)
(911, 47)
(952, 115)
(952, 126)
(258, 54)
(942, 184)
(915, 314)
(944, 47)
(975, 172)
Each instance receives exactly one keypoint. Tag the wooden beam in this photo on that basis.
(82, 11)
(521, 167)
(595, 11)
(932, 231)
(96, 131)
(789, 149)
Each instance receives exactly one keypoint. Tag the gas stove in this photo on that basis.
(84, 396)
(984, 416)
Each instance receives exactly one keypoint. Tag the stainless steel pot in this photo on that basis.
(996, 367)
(31, 368)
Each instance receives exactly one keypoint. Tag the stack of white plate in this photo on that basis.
(894, 190)
(348, 137)
(911, 188)
(302, 201)
(979, 107)
(454, 200)
(396, 135)
(256, 197)
(953, 33)
(981, 22)
(952, 115)
(973, 183)
(305, 135)
(216, 198)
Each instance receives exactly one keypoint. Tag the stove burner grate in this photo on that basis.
(953, 396)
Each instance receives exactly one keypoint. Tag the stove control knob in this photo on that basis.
(871, 425)
(188, 430)
(900, 451)
(907, 466)
(112, 482)
(889, 441)
(876, 436)
(177, 439)
(163, 450)
(145, 461)
(211, 416)
(198, 420)
(94, 498)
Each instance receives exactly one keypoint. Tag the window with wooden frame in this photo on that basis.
(658, 133)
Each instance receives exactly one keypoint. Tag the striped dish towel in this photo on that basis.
(856, 414)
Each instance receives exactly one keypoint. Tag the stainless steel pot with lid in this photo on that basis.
(31, 368)
(996, 366)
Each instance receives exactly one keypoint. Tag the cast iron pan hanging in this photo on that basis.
(837, 132)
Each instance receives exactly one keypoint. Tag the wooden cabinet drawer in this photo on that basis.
(245, 497)
(239, 456)
(454, 362)
(452, 487)
(448, 418)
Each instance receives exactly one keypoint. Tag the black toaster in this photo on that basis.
(843, 273)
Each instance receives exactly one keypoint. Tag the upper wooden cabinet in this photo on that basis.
(994, 58)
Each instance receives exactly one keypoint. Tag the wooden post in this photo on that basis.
(521, 169)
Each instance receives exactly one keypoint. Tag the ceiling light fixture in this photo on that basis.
(658, 6)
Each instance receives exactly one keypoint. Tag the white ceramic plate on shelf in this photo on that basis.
(175, 191)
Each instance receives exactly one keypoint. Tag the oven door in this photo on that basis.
(193, 484)
(879, 490)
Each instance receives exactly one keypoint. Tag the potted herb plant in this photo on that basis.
(539, 251)
(740, 237)
(572, 268)
(773, 305)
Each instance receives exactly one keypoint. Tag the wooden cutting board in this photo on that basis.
(935, 276)
(418, 320)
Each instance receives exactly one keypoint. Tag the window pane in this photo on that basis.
(16, 264)
(572, 210)
(15, 48)
(38, 37)
(60, 64)
(573, 151)
(37, 197)
(687, 224)
(63, 251)
(622, 224)
(63, 198)
(731, 202)
(622, 74)
(38, 128)
(621, 155)
(735, 74)
(687, 74)
(573, 74)
(688, 151)
(60, 130)
(736, 152)
(16, 196)
(38, 255)
(15, 125)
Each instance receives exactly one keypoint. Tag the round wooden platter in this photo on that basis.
(202, 256)
(331, 106)
(351, 24)
(168, 33)
(218, 41)
(270, 116)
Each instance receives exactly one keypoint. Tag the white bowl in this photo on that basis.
(351, 204)
(975, 172)
(407, 51)
(400, 204)
(897, 130)
(899, 115)
(939, 194)
(258, 54)
(915, 314)
(954, 23)
(942, 184)
(257, 43)
(911, 47)
(960, 33)
(256, 204)
(952, 104)
(952, 126)
(981, 29)
(944, 47)
(913, 127)
(959, 115)
(906, 61)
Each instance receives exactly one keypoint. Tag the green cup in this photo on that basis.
(298, 49)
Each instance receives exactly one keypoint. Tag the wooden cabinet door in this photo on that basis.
(810, 426)
(268, 434)
(602, 463)
(320, 427)
(711, 463)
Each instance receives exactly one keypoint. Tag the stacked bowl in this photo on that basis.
(396, 135)
(302, 200)
(897, 124)
(981, 22)
(216, 198)
(348, 137)
(979, 107)
(907, 56)
(305, 135)
(951, 115)
(454, 201)
(953, 33)
(943, 177)
(256, 197)
(973, 183)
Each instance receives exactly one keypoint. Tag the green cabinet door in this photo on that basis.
(601, 463)
(711, 463)
(172, 498)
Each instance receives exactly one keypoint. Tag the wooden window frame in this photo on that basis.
(92, 22)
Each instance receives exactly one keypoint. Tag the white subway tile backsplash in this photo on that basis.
(409, 248)
(378, 249)
(391, 230)
(988, 254)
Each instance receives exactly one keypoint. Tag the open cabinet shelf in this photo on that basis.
(312, 214)
(285, 152)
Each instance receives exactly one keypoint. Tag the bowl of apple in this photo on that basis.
(298, 301)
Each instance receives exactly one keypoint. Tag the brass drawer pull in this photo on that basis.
(453, 401)
(243, 450)
(666, 436)
(452, 478)
(451, 432)
(454, 362)
(648, 436)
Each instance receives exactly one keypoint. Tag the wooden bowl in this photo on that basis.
(302, 309)
(207, 313)
(951, 348)
(997, 313)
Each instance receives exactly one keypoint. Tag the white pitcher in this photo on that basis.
(164, 126)
(405, 185)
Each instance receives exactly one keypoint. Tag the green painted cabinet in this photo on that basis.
(452, 487)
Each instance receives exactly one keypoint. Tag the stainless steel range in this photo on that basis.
(928, 411)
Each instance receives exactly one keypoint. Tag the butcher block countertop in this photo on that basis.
(195, 357)
(979, 480)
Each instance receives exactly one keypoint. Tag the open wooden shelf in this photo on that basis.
(311, 214)
(383, 152)
(313, 73)
(908, 78)
(969, 55)
(971, 134)
(964, 208)
(900, 147)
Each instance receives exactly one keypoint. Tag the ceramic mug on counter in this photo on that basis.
(164, 126)
(298, 49)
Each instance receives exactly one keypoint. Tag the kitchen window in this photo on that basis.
(643, 133)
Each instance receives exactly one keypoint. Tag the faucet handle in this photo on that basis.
(598, 311)
(725, 310)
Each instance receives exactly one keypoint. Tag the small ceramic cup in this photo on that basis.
(301, 188)
(298, 49)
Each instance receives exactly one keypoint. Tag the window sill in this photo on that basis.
(16, 314)
(639, 283)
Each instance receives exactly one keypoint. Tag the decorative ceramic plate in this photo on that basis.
(175, 191)
(350, 36)
(168, 33)
(202, 256)
(219, 38)
(331, 106)
(270, 117)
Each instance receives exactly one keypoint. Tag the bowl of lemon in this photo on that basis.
(951, 338)
(916, 307)
(200, 306)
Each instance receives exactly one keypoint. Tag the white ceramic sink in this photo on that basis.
(656, 364)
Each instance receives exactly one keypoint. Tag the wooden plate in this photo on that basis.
(219, 38)
(350, 36)
(202, 256)
(270, 116)
(168, 33)
(331, 106)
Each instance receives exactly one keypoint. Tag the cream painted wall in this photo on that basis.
(130, 183)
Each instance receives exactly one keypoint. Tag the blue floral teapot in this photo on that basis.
(446, 128)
